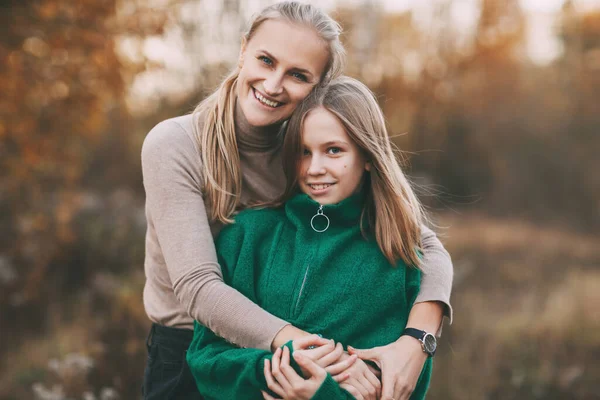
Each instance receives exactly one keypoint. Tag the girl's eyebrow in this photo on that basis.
(333, 142)
(296, 69)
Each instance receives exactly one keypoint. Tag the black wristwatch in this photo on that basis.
(428, 340)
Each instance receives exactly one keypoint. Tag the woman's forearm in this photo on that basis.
(426, 316)
(287, 333)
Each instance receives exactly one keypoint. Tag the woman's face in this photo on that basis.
(332, 165)
(281, 64)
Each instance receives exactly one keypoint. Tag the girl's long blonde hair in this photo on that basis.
(392, 210)
(222, 176)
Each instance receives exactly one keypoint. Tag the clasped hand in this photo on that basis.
(318, 357)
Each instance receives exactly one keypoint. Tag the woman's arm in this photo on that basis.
(172, 179)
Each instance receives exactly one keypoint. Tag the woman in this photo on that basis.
(339, 257)
(199, 168)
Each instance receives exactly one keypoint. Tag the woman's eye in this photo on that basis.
(334, 150)
(299, 76)
(305, 152)
(266, 60)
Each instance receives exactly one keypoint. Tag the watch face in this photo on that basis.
(429, 343)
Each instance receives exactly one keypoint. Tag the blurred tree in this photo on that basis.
(64, 135)
(475, 124)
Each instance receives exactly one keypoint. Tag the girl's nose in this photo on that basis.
(316, 166)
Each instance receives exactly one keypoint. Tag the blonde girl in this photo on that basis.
(338, 255)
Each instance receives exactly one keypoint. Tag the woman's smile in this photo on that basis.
(264, 100)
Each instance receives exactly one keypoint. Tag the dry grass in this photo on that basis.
(94, 350)
(526, 302)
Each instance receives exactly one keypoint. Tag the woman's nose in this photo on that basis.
(273, 85)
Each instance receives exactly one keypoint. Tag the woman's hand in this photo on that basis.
(400, 362)
(323, 352)
(359, 379)
(286, 383)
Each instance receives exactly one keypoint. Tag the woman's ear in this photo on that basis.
(368, 166)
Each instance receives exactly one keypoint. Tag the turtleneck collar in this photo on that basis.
(346, 214)
(252, 138)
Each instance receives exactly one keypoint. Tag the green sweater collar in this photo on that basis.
(301, 209)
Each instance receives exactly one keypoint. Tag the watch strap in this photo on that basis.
(416, 333)
(420, 336)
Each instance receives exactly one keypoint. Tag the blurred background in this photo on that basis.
(496, 103)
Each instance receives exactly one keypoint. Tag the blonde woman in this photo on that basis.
(340, 256)
(198, 169)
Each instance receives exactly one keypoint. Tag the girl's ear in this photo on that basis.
(368, 166)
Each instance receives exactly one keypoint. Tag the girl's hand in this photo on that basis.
(286, 383)
(400, 363)
(358, 378)
(341, 366)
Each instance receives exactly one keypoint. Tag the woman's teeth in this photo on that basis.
(320, 187)
(267, 102)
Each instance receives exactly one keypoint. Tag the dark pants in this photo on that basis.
(167, 375)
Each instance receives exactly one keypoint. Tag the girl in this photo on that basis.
(340, 257)
(199, 168)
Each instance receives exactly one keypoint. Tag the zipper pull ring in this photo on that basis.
(319, 214)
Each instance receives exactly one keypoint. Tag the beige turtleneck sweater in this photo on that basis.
(183, 278)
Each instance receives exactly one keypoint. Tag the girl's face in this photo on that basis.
(281, 64)
(332, 165)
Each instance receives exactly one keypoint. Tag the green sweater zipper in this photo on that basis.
(336, 283)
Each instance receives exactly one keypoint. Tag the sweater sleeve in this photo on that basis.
(330, 389)
(172, 180)
(436, 281)
(413, 283)
(224, 371)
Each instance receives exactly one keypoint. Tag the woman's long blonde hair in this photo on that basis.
(222, 176)
(392, 210)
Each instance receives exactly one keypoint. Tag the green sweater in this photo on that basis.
(336, 283)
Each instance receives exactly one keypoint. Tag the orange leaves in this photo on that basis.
(48, 10)
(36, 47)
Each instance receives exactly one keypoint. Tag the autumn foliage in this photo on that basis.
(503, 150)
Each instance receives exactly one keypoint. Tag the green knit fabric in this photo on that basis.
(336, 283)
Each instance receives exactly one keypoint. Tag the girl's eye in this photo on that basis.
(299, 76)
(334, 150)
(266, 60)
(305, 152)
